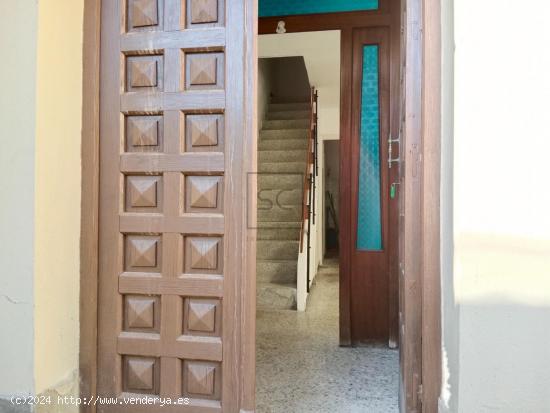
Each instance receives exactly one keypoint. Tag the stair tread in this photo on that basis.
(279, 241)
(285, 129)
(280, 224)
(278, 284)
(288, 141)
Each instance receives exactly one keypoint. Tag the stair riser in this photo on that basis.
(284, 107)
(277, 167)
(280, 181)
(284, 225)
(273, 197)
(293, 213)
(277, 250)
(284, 134)
(278, 234)
(292, 114)
(276, 272)
(277, 298)
(283, 144)
(281, 156)
(286, 124)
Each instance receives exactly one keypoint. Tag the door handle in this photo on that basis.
(390, 151)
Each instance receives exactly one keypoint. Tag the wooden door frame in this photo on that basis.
(425, 71)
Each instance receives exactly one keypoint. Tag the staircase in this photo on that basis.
(282, 152)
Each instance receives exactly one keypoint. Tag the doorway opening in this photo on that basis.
(300, 207)
(331, 200)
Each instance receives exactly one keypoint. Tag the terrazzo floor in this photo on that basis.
(301, 369)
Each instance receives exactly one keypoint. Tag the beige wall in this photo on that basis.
(57, 199)
(501, 268)
(17, 136)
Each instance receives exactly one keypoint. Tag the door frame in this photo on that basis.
(424, 44)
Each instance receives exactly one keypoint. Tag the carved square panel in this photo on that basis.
(203, 255)
(204, 133)
(202, 317)
(143, 193)
(144, 133)
(142, 313)
(204, 70)
(141, 374)
(144, 15)
(204, 194)
(201, 379)
(144, 73)
(204, 13)
(143, 253)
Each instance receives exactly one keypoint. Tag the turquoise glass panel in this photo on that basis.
(369, 214)
(292, 7)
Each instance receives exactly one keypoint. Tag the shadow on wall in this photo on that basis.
(504, 357)
(502, 287)
(289, 79)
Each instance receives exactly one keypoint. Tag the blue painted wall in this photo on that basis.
(369, 214)
(292, 7)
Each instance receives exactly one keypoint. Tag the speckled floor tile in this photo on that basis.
(301, 368)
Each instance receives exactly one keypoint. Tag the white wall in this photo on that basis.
(18, 20)
(501, 205)
(450, 313)
(321, 52)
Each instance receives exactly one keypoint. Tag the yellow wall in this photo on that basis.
(57, 198)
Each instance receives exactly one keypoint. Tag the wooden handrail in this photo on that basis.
(310, 161)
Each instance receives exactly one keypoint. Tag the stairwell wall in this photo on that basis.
(265, 71)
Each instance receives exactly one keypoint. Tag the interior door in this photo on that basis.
(176, 289)
(369, 245)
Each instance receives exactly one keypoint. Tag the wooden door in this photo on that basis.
(176, 272)
(367, 244)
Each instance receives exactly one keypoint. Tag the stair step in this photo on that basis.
(278, 233)
(276, 250)
(284, 133)
(280, 181)
(280, 213)
(288, 114)
(294, 167)
(286, 124)
(282, 144)
(281, 156)
(281, 224)
(269, 197)
(277, 271)
(276, 296)
(288, 106)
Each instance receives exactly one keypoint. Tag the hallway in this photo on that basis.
(301, 369)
